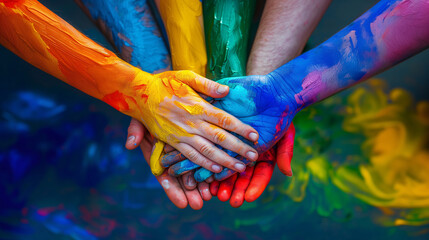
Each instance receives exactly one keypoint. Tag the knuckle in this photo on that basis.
(225, 121)
(193, 155)
(219, 137)
(207, 150)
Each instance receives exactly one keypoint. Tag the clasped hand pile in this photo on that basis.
(203, 131)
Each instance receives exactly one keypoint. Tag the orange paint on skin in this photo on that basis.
(11, 3)
(46, 41)
(117, 100)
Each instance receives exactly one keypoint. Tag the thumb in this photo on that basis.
(155, 158)
(285, 151)
(202, 85)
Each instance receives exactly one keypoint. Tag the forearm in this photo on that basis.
(130, 26)
(183, 23)
(49, 43)
(283, 32)
(387, 34)
(226, 26)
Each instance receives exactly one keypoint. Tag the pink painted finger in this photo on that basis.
(204, 189)
(189, 181)
(194, 198)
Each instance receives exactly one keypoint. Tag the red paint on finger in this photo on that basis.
(214, 187)
(225, 188)
(261, 176)
(285, 151)
(240, 187)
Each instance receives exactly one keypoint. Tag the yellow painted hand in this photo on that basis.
(175, 114)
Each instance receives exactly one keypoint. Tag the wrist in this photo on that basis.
(287, 88)
(129, 94)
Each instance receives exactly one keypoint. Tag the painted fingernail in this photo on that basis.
(240, 167)
(251, 155)
(216, 168)
(253, 136)
(222, 89)
(131, 139)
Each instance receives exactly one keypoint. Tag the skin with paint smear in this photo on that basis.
(131, 28)
(279, 23)
(227, 25)
(140, 45)
(183, 22)
(371, 44)
(46, 41)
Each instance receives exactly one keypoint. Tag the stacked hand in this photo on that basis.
(265, 115)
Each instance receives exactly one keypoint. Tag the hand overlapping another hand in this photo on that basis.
(257, 100)
(174, 113)
(263, 115)
(250, 184)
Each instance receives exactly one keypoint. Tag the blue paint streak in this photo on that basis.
(271, 101)
(133, 26)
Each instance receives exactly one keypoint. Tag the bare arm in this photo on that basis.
(285, 27)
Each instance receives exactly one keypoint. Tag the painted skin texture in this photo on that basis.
(371, 44)
(183, 23)
(140, 45)
(387, 169)
(122, 19)
(227, 25)
(46, 41)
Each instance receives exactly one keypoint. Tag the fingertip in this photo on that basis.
(189, 181)
(223, 195)
(253, 136)
(196, 203)
(288, 173)
(173, 190)
(181, 203)
(237, 200)
(222, 90)
(204, 191)
(214, 187)
(251, 195)
(131, 144)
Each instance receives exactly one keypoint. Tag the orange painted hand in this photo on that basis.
(175, 114)
(165, 103)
